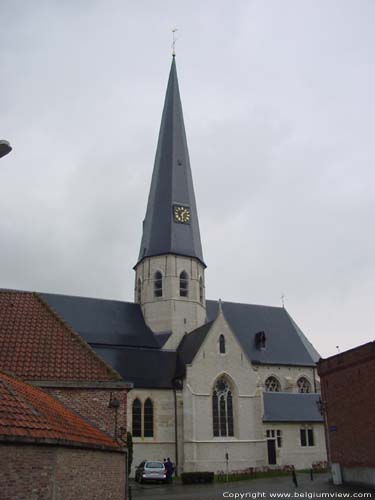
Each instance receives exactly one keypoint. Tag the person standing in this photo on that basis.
(169, 469)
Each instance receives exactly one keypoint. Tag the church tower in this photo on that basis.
(169, 282)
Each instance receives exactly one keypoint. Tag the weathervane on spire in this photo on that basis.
(174, 42)
(282, 300)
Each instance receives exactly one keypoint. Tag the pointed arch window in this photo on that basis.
(222, 409)
(143, 418)
(184, 284)
(303, 385)
(272, 385)
(139, 291)
(201, 290)
(158, 284)
(148, 426)
(137, 418)
(222, 344)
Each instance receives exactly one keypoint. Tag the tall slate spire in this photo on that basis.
(171, 187)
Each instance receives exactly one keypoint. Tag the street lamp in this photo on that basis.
(5, 148)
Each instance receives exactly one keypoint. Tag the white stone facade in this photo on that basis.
(197, 448)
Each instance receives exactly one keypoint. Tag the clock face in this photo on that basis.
(181, 214)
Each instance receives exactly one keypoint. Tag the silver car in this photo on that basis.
(150, 470)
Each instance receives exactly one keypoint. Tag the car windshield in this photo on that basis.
(154, 465)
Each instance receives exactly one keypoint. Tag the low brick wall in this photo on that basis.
(49, 472)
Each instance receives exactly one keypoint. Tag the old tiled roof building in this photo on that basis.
(39, 347)
(46, 451)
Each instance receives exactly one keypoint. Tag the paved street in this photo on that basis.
(258, 488)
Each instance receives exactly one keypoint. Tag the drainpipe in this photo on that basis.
(175, 427)
(314, 377)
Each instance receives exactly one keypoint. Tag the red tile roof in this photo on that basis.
(29, 414)
(35, 344)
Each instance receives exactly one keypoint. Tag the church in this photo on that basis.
(217, 385)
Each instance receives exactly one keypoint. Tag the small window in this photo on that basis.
(158, 284)
(272, 385)
(277, 435)
(307, 437)
(201, 290)
(184, 284)
(139, 291)
(303, 385)
(148, 419)
(222, 344)
(279, 439)
(137, 418)
(310, 437)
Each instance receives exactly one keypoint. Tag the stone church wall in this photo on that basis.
(162, 444)
(291, 452)
(203, 451)
(287, 376)
(171, 312)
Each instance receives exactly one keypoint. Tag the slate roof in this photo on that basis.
(171, 184)
(191, 342)
(116, 331)
(285, 342)
(147, 368)
(35, 344)
(28, 414)
(101, 321)
(287, 407)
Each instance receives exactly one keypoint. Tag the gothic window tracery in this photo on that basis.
(272, 384)
(303, 385)
(222, 409)
(184, 284)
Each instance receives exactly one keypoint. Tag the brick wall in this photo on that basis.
(37, 472)
(348, 388)
(93, 405)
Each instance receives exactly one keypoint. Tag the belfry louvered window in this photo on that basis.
(139, 291)
(137, 418)
(158, 284)
(201, 290)
(222, 409)
(184, 284)
(143, 418)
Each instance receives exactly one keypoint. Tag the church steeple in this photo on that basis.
(171, 223)
(169, 281)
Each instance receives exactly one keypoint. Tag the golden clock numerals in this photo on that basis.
(182, 214)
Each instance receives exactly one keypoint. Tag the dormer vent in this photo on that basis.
(260, 340)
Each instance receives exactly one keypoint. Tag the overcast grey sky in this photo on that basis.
(278, 99)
